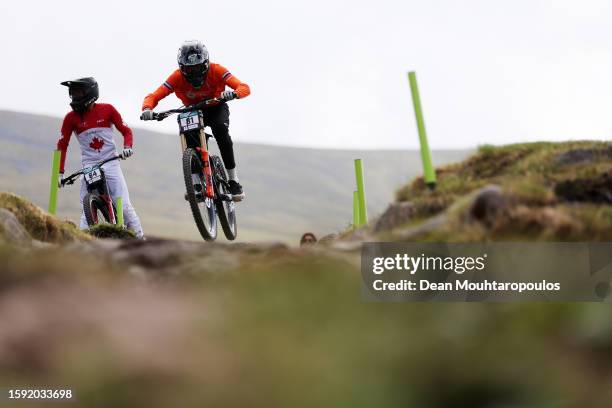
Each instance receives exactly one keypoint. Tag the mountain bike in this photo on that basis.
(205, 177)
(97, 201)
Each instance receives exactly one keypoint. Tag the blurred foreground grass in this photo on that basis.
(285, 328)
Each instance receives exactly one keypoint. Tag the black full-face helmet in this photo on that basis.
(194, 62)
(83, 93)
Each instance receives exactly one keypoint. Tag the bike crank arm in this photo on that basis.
(225, 197)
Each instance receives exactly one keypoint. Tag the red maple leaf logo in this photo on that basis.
(96, 144)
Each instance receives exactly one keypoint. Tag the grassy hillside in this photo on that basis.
(289, 190)
(171, 323)
(536, 191)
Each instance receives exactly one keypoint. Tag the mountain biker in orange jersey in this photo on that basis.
(198, 79)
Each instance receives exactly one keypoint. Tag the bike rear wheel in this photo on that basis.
(226, 210)
(202, 207)
(95, 209)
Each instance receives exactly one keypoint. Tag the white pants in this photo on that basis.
(116, 188)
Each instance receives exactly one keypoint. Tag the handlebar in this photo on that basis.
(159, 116)
(72, 178)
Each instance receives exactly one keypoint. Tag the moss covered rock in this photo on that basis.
(111, 231)
(39, 224)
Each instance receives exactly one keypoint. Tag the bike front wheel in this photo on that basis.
(202, 207)
(95, 209)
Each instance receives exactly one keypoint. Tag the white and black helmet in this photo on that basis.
(194, 62)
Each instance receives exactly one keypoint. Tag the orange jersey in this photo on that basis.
(216, 80)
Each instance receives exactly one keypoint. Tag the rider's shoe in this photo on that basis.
(236, 190)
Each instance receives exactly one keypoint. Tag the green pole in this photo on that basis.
(363, 212)
(119, 206)
(355, 209)
(54, 180)
(428, 169)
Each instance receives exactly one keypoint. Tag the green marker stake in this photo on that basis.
(119, 205)
(54, 180)
(363, 214)
(428, 169)
(355, 209)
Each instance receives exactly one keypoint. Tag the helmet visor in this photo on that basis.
(195, 70)
(77, 93)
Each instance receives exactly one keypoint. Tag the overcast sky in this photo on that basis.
(332, 73)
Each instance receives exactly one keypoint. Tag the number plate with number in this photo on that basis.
(93, 176)
(190, 121)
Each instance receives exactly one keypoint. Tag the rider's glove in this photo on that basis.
(59, 180)
(127, 152)
(228, 95)
(147, 114)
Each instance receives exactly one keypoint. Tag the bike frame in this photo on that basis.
(203, 148)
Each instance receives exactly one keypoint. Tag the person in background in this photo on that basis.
(308, 239)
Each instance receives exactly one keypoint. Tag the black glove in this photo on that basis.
(228, 95)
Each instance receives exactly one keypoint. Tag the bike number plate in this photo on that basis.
(93, 176)
(190, 121)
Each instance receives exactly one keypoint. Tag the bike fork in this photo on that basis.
(210, 192)
(111, 212)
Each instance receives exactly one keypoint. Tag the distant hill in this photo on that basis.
(289, 190)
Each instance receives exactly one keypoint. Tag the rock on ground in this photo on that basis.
(488, 203)
(12, 230)
(395, 215)
(581, 156)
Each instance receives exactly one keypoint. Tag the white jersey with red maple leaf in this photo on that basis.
(94, 132)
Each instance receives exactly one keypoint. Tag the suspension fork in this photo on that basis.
(111, 212)
(203, 150)
(104, 194)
